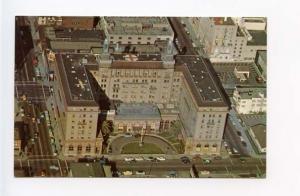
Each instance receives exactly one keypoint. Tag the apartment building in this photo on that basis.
(77, 105)
(250, 100)
(137, 30)
(224, 40)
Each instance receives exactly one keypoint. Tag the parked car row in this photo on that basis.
(150, 158)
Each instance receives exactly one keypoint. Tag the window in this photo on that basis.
(129, 37)
(149, 38)
(120, 37)
(139, 38)
(79, 148)
(88, 148)
(71, 148)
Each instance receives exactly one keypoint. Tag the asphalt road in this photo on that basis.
(184, 40)
(226, 166)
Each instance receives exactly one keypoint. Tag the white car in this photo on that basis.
(141, 172)
(128, 159)
(54, 167)
(127, 173)
(139, 158)
(204, 172)
(161, 158)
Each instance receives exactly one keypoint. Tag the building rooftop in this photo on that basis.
(139, 61)
(79, 35)
(223, 21)
(137, 111)
(259, 38)
(251, 92)
(138, 57)
(87, 170)
(74, 79)
(260, 134)
(205, 88)
(138, 26)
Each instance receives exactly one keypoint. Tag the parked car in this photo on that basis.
(127, 135)
(128, 159)
(54, 167)
(205, 172)
(161, 158)
(127, 173)
(140, 172)
(206, 161)
(185, 160)
(139, 159)
(149, 158)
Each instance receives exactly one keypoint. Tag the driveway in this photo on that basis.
(119, 142)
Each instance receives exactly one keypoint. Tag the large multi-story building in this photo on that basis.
(77, 103)
(224, 40)
(250, 100)
(146, 78)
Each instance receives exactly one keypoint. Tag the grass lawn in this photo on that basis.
(147, 148)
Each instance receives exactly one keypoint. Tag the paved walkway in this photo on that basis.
(119, 142)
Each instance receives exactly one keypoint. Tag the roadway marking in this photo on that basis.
(66, 163)
(261, 161)
(227, 170)
(61, 174)
(231, 161)
(44, 93)
(258, 169)
(26, 72)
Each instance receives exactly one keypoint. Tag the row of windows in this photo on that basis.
(79, 148)
(139, 38)
(212, 115)
(206, 146)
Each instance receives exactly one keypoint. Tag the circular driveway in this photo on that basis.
(118, 143)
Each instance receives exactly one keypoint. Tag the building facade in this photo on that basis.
(224, 40)
(77, 106)
(250, 100)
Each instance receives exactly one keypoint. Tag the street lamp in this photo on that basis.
(142, 137)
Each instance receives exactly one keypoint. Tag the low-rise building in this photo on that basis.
(242, 72)
(137, 118)
(249, 100)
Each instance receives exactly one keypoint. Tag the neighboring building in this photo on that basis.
(254, 23)
(250, 100)
(242, 73)
(86, 23)
(258, 135)
(137, 118)
(137, 30)
(78, 22)
(73, 40)
(261, 64)
(17, 140)
(77, 105)
(202, 106)
(224, 41)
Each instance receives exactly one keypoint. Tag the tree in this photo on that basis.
(106, 128)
